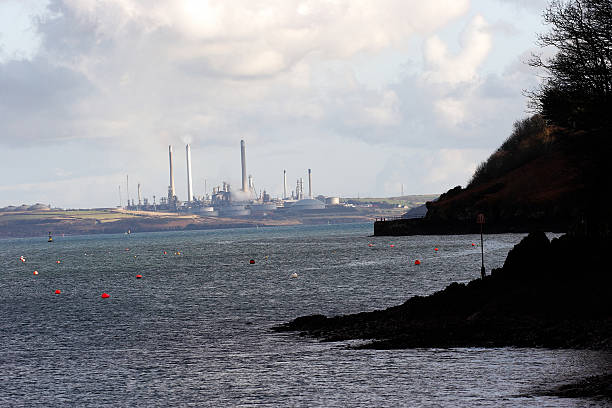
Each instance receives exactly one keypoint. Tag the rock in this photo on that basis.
(545, 295)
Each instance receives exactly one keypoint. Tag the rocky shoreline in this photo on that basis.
(597, 387)
(553, 294)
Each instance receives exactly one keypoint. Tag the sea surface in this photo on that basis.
(195, 330)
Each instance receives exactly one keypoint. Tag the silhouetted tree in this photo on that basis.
(576, 91)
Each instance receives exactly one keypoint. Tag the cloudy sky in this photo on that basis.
(370, 94)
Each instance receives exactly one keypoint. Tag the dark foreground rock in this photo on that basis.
(548, 294)
(597, 387)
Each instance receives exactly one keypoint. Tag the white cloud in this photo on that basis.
(452, 69)
(122, 79)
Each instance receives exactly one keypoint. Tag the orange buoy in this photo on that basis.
(127, 249)
(105, 295)
(35, 272)
(57, 291)
(252, 261)
(417, 262)
(138, 276)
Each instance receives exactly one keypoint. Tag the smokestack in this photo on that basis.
(284, 184)
(189, 183)
(173, 193)
(139, 196)
(243, 162)
(309, 184)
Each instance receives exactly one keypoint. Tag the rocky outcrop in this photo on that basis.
(598, 387)
(547, 294)
(556, 183)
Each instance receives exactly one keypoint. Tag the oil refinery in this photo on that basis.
(224, 201)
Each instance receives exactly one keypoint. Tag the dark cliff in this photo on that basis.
(543, 177)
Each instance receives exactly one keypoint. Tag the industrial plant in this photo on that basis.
(224, 201)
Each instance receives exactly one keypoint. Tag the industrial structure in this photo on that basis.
(189, 183)
(284, 184)
(171, 192)
(243, 163)
(223, 201)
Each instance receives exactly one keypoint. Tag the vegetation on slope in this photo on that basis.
(530, 139)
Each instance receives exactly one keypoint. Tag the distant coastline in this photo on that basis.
(38, 223)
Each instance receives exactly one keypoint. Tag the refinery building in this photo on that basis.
(224, 201)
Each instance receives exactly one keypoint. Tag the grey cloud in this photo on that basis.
(37, 100)
(37, 85)
(503, 27)
(528, 4)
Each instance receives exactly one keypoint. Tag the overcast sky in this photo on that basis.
(370, 94)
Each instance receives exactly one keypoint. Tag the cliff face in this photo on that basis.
(548, 181)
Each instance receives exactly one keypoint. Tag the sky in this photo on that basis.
(369, 94)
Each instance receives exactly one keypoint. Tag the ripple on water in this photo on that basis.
(195, 329)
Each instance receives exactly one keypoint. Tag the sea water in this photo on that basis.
(195, 330)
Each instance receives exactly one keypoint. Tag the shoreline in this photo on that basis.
(26, 225)
(534, 300)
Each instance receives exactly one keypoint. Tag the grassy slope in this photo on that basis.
(409, 200)
(548, 186)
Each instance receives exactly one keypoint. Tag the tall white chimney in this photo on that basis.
(284, 184)
(309, 184)
(171, 174)
(243, 162)
(189, 183)
(139, 196)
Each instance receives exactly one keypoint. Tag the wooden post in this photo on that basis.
(480, 219)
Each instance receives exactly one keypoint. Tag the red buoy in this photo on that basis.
(35, 272)
(138, 276)
(105, 295)
(252, 261)
(57, 291)
(417, 262)
(370, 245)
(436, 249)
(164, 252)
(473, 244)
(392, 246)
(57, 261)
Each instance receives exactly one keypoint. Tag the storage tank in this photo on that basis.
(332, 201)
(307, 204)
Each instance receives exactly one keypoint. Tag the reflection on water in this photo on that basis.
(195, 329)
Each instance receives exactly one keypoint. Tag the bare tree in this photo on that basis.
(576, 90)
